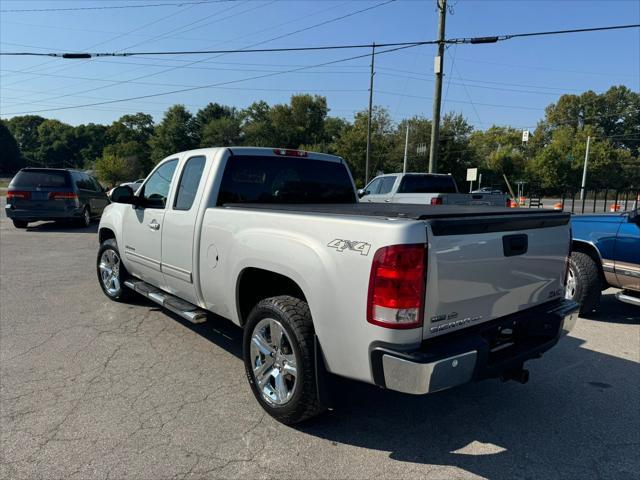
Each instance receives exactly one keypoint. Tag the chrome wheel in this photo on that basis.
(110, 272)
(572, 284)
(273, 362)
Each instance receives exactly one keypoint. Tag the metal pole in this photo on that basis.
(406, 147)
(584, 171)
(437, 97)
(479, 181)
(367, 162)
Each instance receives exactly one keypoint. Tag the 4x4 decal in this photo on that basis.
(342, 245)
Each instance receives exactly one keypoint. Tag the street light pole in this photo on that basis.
(584, 170)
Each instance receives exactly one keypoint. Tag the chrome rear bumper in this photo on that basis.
(483, 351)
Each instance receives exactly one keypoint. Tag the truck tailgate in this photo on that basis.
(487, 267)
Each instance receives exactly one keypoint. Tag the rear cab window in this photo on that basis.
(189, 182)
(427, 184)
(266, 179)
(41, 179)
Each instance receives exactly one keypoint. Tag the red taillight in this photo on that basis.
(508, 203)
(397, 286)
(63, 196)
(290, 153)
(18, 194)
(436, 201)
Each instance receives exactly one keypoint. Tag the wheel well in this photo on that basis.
(105, 234)
(590, 250)
(256, 284)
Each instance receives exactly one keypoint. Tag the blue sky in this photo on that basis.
(508, 83)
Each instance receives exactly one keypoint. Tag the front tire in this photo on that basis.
(111, 272)
(584, 284)
(278, 350)
(20, 223)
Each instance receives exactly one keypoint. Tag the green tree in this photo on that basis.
(256, 125)
(25, 131)
(174, 134)
(221, 132)
(57, 147)
(112, 169)
(12, 161)
(352, 144)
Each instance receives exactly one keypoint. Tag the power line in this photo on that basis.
(206, 52)
(113, 7)
(202, 87)
(465, 40)
(171, 68)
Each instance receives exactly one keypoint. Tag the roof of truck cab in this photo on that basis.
(263, 152)
(395, 210)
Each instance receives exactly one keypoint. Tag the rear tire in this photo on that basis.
(584, 284)
(20, 223)
(112, 272)
(278, 350)
(85, 220)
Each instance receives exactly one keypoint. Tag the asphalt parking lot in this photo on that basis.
(91, 389)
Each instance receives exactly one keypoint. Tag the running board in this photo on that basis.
(186, 310)
(626, 298)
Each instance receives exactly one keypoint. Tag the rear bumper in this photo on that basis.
(484, 351)
(41, 215)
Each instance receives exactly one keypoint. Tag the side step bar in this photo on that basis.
(627, 298)
(186, 310)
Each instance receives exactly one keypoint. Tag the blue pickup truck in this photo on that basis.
(605, 253)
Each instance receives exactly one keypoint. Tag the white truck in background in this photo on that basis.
(412, 298)
(425, 188)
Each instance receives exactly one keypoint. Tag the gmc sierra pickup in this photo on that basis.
(413, 298)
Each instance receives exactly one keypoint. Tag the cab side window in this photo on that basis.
(387, 184)
(155, 191)
(374, 187)
(189, 181)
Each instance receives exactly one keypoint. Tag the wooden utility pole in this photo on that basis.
(367, 162)
(438, 65)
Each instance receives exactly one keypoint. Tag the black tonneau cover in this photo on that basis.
(401, 210)
(444, 219)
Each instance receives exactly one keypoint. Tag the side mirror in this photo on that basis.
(123, 195)
(361, 193)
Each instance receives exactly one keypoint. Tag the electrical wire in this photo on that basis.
(113, 7)
(202, 87)
(465, 40)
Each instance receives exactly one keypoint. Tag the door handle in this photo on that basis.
(154, 225)
(387, 200)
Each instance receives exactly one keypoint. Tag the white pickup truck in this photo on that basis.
(412, 298)
(425, 188)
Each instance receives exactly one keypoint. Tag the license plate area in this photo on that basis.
(39, 196)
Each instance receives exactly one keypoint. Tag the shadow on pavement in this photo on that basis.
(612, 310)
(579, 417)
(61, 227)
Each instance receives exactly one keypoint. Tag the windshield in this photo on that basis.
(41, 179)
(249, 179)
(427, 184)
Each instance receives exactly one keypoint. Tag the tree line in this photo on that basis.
(551, 161)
